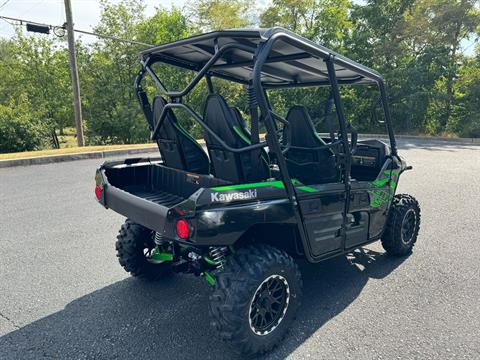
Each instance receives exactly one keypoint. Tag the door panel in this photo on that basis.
(322, 215)
(359, 215)
(324, 233)
(357, 228)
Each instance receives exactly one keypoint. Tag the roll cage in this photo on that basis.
(262, 59)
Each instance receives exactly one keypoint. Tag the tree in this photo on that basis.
(20, 128)
(210, 15)
(36, 67)
(323, 21)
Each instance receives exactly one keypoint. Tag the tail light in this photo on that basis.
(98, 192)
(183, 230)
(98, 186)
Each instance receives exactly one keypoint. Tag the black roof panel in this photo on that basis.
(293, 60)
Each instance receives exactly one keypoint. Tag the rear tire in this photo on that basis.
(133, 241)
(403, 225)
(256, 298)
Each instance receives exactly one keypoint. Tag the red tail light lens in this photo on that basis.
(183, 231)
(98, 192)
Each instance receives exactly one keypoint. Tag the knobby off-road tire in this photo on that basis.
(249, 290)
(403, 225)
(132, 242)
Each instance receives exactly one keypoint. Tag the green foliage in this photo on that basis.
(20, 129)
(221, 14)
(416, 44)
(324, 21)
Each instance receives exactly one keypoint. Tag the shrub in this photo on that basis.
(20, 130)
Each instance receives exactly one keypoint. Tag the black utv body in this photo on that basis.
(241, 214)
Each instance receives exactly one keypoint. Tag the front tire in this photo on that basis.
(134, 242)
(256, 298)
(403, 225)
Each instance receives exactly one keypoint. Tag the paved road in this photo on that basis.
(63, 294)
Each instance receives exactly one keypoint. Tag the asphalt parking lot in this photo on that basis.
(64, 296)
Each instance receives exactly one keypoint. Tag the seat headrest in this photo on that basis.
(298, 116)
(216, 105)
(157, 106)
(303, 131)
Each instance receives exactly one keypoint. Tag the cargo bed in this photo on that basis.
(144, 190)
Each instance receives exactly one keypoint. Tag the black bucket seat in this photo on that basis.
(305, 161)
(178, 148)
(244, 167)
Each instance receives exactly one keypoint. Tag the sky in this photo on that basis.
(86, 14)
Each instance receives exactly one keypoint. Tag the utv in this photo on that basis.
(240, 215)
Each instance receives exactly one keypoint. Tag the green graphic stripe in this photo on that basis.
(307, 189)
(211, 279)
(241, 134)
(275, 184)
(379, 197)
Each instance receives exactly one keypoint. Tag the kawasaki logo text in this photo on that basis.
(247, 195)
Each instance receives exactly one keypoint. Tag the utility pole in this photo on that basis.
(74, 74)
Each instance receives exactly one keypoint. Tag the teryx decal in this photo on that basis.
(386, 187)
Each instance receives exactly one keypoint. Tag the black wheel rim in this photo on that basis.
(269, 305)
(409, 224)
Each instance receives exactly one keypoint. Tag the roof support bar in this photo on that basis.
(345, 158)
(315, 83)
(388, 122)
(272, 139)
(201, 73)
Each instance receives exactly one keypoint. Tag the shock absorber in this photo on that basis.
(218, 256)
(158, 238)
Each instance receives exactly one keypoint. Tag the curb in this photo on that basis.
(71, 157)
(467, 141)
(108, 153)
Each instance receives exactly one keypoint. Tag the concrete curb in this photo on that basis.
(466, 141)
(71, 157)
(103, 154)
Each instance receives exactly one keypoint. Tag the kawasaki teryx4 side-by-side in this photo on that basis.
(240, 210)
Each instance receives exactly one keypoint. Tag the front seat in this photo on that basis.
(178, 149)
(308, 165)
(235, 167)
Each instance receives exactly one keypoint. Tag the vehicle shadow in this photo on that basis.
(133, 319)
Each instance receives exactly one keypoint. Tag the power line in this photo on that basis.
(4, 4)
(54, 27)
(112, 37)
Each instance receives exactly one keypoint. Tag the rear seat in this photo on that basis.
(179, 150)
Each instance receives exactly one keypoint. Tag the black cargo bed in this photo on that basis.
(144, 190)
(156, 196)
